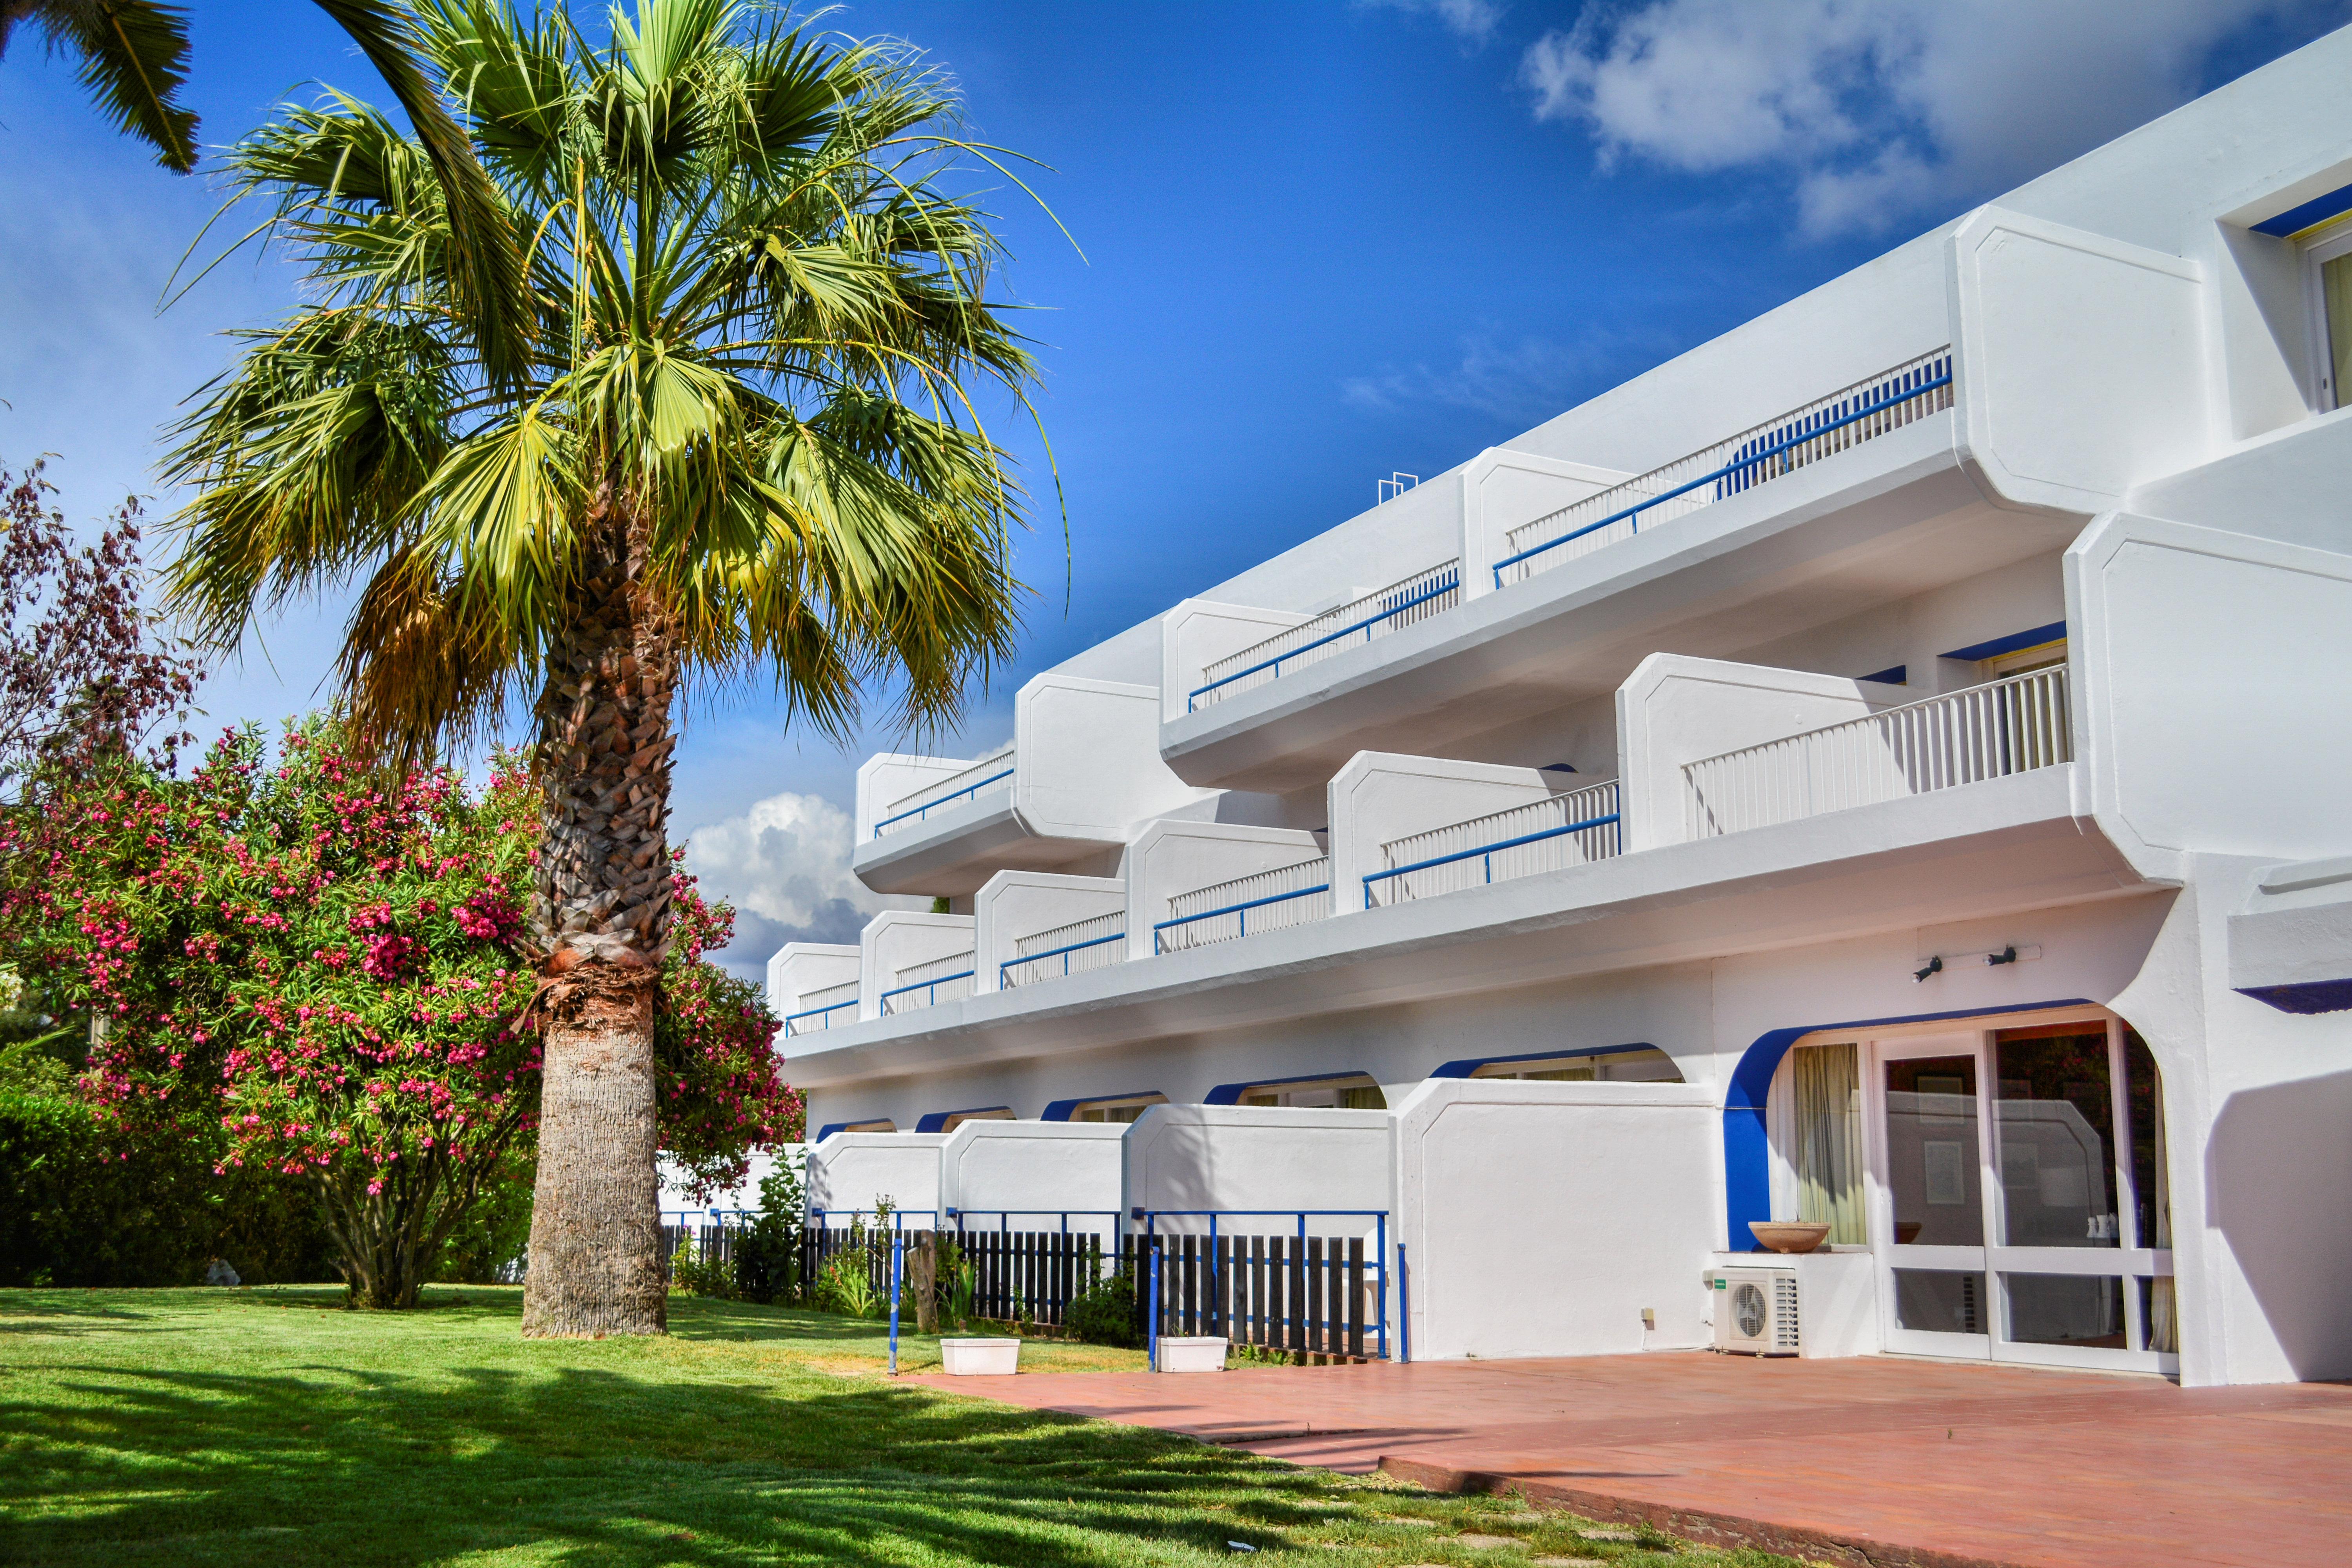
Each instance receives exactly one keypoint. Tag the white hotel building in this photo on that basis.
(1889, 766)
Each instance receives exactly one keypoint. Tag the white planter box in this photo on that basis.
(1191, 1354)
(981, 1358)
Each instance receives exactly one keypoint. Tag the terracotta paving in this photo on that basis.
(1877, 1460)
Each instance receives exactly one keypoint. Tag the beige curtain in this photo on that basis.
(1828, 1084)
(2335, 284)
(2163, 1314)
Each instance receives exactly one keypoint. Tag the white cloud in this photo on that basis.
(785, 865)
(1876, 108)
(1472, 21)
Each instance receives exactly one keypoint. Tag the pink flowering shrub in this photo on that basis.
(322, 972)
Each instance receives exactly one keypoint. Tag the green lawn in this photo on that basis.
(272, 1426)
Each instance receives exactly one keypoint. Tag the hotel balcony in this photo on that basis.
(1939, 440)
(1082, 772)
(1749, 792)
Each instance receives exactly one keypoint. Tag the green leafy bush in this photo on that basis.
(710, 1277)
(1104, 1314)
(767, 1251)
(845, 1283)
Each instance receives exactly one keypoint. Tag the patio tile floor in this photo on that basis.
(1878, 1459)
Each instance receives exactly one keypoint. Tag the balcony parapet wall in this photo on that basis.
(1171, 857)
(1382, 797)
(1675, 710)
(1012, 905)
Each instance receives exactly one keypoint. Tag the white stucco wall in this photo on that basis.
(850, 1170)
(1229, 1157)
(1173, 857)
(2084, 360)
(799, 968)
(1089, 753)
(1675, 710)
(1542, 1218)
(1030, 1174)
(1382, 797)
(900, 939)
(1015, 904)
(886, 779)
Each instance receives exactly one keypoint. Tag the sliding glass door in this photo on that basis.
(2018, 1196)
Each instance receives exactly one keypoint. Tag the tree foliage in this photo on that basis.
(318, 971)
(85, 673)
(754, 311)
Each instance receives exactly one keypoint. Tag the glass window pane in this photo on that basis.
(1931, 1151)
(2151, 1181)
(2057, 1136)
(2157, 1310)
(1939, 1301)
(2081, 1309)
(1827, 1082)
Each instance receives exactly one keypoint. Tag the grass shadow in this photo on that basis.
(265, 1433)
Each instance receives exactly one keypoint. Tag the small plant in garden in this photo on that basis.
(845, 1283)
(710, 1277)
(768, 1249)
(1104, 1312)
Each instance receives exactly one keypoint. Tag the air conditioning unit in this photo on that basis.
(1756, 1311)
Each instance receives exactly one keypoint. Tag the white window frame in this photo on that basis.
(2330, 243)
(1975, 1036)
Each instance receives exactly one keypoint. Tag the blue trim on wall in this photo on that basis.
(2307, 997)
(1747, 1160)
(2010, 643)
(830, 1127)
(1469, 1066)
(2319, 209)
(1062, 1110)
(1231, 1093)
(937, 1121)
(1894, 674)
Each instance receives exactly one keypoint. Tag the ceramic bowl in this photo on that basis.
(1789, 1236)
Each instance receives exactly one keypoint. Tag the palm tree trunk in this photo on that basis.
(602, 908)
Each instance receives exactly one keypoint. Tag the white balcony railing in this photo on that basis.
(1846, 418)
(929, 983)
(1398, 606)
(2009, 726)
(1572, 829)
(1096, 943)
(988, 775)
(1263, 900)
(828, 1008)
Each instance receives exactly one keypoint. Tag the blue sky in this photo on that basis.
(1322, 242)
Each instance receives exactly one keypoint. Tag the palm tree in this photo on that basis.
(740, 445)
(134, 60)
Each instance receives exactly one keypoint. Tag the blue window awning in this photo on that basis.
(2010, 644)
(2310, 214)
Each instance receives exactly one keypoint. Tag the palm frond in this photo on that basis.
(484, 260)
(134, 61)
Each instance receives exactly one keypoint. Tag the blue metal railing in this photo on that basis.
(1745, 470)
(1436, 589)
(1151, 1218)
(1488, 850)
(817, 1217)
(964, 794)
(1060, 953)
(792, 1018)
(929, 988)
(1005, 1217)
(1241, 909)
